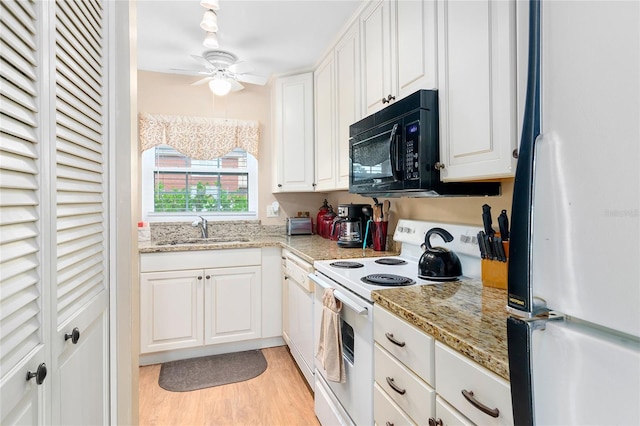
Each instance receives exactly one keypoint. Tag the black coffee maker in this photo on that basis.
(351, 224)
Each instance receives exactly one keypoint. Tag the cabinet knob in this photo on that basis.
(208, 277)
(40, 374)
(279, 185)
(74, 335)
(515, 153)
(435, 422)
(388, 99)
(438, 166)
(199, 277)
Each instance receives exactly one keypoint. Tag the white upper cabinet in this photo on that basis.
(399, 50)
(348, 105)
(337, 96)
(375, 23)
(416, 46)
(293, 132)
(477, 89)
(324, 85)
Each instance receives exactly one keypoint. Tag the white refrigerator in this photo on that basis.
(574, 266)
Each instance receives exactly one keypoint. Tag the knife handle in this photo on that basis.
(503, 224)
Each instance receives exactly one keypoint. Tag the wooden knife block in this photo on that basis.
(494, 273)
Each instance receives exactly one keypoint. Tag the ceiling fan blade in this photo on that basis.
(202, 81)
(202, 61)
(235, 85)
(252, 79)
(240, 68)
(190, 72)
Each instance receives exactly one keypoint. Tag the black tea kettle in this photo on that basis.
(438, 263)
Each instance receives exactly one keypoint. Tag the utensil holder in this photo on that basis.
(494, 272)
(379, 235)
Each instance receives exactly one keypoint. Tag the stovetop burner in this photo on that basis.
(390, 261)
(388, 280)
(346, 265)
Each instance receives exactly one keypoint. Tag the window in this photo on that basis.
(176, 185)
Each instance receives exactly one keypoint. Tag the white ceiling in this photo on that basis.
(274, 37)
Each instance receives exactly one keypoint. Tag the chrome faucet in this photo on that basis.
(203, 226)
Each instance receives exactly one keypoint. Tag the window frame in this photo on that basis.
(147, 167)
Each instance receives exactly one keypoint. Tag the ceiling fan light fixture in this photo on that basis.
(209, 21)
(210, 4)
(219, 86)
(211, 40)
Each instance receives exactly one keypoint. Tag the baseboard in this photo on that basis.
(222, 348)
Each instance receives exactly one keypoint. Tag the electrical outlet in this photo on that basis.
(271, 212)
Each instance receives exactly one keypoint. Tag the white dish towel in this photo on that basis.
(330, 342)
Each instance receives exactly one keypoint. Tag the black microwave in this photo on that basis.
(394, 152)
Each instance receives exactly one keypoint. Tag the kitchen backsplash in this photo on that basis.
(236, 228)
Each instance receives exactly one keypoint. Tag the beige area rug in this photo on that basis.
(215, 370)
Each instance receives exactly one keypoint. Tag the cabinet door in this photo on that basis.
(171, 310)
(348, 110)
(415, 46)
(376, 55)
(477, 82)
(325, 124)
(294, 134)
(232, 299)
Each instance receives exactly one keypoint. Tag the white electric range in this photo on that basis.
(352, 402)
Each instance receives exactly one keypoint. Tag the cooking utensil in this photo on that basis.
(438, 263)
(386, 208)
(503, 224)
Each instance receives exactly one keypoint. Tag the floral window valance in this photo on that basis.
(200, 138)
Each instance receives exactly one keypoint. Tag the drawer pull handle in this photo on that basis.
(493, 412)
(435, 422)
(395, 387)
(389, 424)
(393, 340)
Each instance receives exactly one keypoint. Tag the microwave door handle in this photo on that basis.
(393, 152)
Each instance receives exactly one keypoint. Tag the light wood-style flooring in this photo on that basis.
(279, 396)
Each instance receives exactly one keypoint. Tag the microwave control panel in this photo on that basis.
(412, 139)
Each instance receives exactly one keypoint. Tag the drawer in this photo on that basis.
(456, 373)
(448, 415)
(385, 411)
(413, 396)
(414, 348)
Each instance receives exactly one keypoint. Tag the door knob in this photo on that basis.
(40, 374)
(74, 336)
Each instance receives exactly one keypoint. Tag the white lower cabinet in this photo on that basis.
(420, 381)
(171, 310)
(404, 375)
(232, 304)
(186, 307)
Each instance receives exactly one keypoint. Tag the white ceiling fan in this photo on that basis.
(225, 73)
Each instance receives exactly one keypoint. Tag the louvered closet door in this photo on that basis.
(21, 292)
(80, 370)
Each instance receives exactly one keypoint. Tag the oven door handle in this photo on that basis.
(360, 310)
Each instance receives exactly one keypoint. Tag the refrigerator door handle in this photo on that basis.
(520, 365)
(519, 273)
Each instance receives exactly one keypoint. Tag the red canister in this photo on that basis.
(321, 212)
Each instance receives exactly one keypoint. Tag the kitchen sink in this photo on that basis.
(212, 240)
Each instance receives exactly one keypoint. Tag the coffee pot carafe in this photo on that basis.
(351, 223)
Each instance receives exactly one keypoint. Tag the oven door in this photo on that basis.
(355, 396)
(375, 159)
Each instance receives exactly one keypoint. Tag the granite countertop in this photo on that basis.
(464, 315)
(308, 247)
